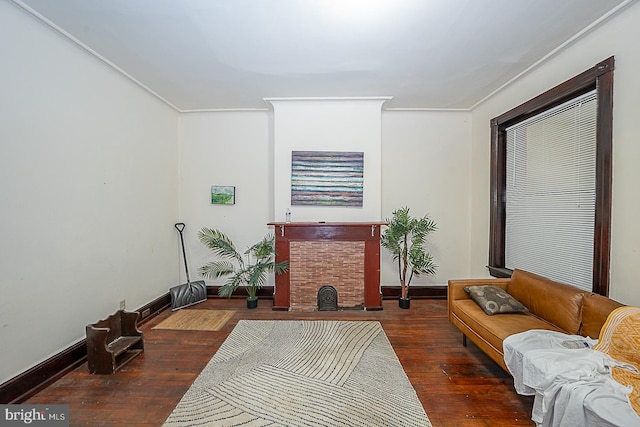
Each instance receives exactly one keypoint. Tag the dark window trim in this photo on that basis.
(599, 77)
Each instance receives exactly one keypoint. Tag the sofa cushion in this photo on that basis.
(556, 302)
(595, 310)
(494, 300)
(494, 329)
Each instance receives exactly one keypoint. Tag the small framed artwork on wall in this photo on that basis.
(223, 195)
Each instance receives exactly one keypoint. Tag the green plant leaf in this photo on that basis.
(216, 269)
(404, 238)
(220, 244)
(252, 274)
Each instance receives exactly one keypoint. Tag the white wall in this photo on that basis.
(327, 125)
(91, 185)
(617, 37)
(88, 183)
(426, 165)
(224, 148)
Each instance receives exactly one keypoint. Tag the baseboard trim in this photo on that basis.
(265, 292)
(20, 388)
(30, 382)
(388, 292)
(155, 307)
(416, 292)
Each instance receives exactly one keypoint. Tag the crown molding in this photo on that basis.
(72, 39)
(557, 50)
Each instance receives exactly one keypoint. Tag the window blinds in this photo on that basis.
(550, 197)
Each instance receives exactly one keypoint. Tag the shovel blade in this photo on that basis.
(188, 294)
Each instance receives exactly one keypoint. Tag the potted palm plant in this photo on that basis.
(405, 237)
(252, 273)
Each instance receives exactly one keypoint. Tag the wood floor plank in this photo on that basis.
(458, 386)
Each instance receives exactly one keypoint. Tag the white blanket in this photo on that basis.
(572, 386)
(515, 347)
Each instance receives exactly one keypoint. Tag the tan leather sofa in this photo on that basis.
(552, 306)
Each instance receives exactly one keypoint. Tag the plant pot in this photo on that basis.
(252, 302)
(404, 303)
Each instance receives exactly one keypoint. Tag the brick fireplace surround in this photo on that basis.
(343, 255)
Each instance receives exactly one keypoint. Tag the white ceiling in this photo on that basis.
(231, 54)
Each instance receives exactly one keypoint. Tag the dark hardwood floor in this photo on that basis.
(458, 386)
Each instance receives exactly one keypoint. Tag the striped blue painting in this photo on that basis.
(327, 178)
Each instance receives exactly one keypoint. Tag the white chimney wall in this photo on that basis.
(328, 124)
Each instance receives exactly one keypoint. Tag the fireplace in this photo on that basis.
(345, 256)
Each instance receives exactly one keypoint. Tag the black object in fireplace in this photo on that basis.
(327, 298)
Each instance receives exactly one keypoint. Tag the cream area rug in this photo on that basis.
(302, 373)
(196, 320)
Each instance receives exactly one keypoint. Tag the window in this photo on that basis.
(551, 165)
(551, 188)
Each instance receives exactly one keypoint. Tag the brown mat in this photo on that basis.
(196, 320)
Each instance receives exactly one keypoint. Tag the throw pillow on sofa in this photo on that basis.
(494, 300)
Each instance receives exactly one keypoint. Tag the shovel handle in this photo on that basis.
(180, 226)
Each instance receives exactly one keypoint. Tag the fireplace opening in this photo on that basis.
(327, 298)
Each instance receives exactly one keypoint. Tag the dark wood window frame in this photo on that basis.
(599, 77)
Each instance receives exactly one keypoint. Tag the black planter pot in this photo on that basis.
(252, 303)
(404, 303)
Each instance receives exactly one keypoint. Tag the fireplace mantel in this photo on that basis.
(361, 237)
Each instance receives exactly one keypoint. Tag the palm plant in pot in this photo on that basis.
(405, 237)
(252, 273)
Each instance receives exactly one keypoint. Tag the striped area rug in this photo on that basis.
(302, 373)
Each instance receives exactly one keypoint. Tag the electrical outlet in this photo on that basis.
(123, 304)
(146, 312)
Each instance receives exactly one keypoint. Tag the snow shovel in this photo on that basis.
(189, 293)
